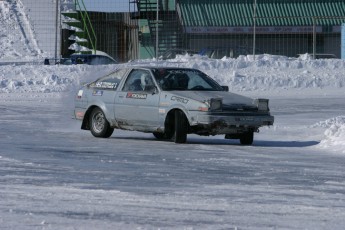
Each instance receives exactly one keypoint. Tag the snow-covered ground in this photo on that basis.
(55, 176)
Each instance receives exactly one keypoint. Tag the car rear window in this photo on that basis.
(111, 81)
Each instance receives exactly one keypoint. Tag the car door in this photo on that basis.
(104, 91)
(136, 104)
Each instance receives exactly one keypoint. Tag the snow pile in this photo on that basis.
(268, 73)
(47, 79)
(30, 79)
(334, 134)
(271, 72)
(17, 39)
(275, 75)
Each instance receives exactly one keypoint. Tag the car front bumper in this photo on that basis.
(224, 124)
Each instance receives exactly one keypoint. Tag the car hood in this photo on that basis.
(230, 100)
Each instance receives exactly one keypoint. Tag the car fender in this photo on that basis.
(179, 107)
(91, 106)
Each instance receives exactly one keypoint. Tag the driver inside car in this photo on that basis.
(182, 81)
(146, 82)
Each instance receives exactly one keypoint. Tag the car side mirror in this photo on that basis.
(225, 88)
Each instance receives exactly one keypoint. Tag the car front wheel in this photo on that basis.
(181, 127)
(99, 125)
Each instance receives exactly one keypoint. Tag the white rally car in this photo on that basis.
(170, 103)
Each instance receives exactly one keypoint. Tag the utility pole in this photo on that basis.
(314, 37)
(56, 28)
(254, 29)
(157, 17)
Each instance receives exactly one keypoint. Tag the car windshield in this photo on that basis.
(185, 80)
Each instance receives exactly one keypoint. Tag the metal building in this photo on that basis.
(282, 27)
(87, 31)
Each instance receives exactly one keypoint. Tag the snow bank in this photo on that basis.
(17, 38)
(267, 73)
(270, 72)
(334, 134)
(47, 79)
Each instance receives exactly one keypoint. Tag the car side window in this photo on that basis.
(139, 80)
(111, 81)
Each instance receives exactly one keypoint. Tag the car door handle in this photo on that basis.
(120, 96)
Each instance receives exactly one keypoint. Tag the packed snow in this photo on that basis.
(334, 135)
(17, 38)
(55, 176)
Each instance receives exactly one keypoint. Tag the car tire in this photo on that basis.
(181, 127)
(247, 138)
(99, 125)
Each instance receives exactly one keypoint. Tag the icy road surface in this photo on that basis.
(55, 176)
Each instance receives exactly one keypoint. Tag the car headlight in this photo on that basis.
(216, 104)
(262, 104)
(213, 104)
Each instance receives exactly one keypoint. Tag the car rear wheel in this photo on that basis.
(99, 125)
(247, 138)
(181, 127)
